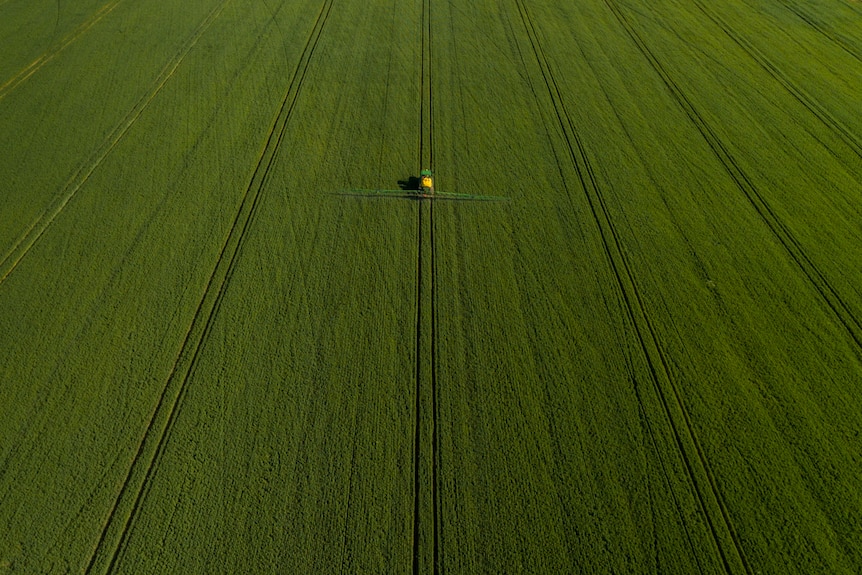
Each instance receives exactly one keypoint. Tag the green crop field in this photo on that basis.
(216, 357)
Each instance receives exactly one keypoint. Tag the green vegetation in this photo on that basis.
(648, 359)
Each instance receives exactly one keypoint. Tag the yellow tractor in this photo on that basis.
(426, 182)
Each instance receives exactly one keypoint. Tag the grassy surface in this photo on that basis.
(647, 359)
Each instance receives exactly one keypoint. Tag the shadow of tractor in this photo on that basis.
(411, 183)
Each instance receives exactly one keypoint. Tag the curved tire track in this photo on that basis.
(41, 223)
(840, 309)
(693, 457)
(115, 531)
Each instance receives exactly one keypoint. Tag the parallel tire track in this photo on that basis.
(52, 53)
(426, 328)
(837, 40)
(115, 531)
(702, 480)
(435, 414)
(810, 103)
(779, 229)
(417, 431)
(41, 223)
(435, 407)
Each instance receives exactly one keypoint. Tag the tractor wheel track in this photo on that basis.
(43, 221)
(645, 420)
(417, 431)
(135, 486)
(692, 454)
(840, 309)
(37, 418)
(426, 321)
(435, 427)
(807, 101)
(25, 73)
(435, 409)
(837, 40)
(417, 428)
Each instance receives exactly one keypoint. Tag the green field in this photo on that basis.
(646, 359)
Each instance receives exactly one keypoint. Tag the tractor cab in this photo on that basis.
(426, 182)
